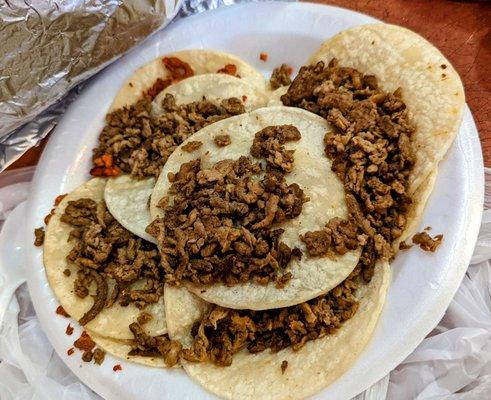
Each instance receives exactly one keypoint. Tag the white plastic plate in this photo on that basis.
(423, 283)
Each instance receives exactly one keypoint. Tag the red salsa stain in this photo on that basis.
(158, 86)
(178, 69)
(263, 57)
(229, 69)
(61, 311)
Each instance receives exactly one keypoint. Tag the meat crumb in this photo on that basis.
(280, 77)
(404, 246)
(284, 366)
(84, 342)
(117, 368)
(426, 242)
(61, 311)
(70, 351)
(39, 236)
(99, 356)
(144, 317)
(87, 356)
(222, 140)
(67, 272)
(191, 146)
(263, 57)
(69, 329)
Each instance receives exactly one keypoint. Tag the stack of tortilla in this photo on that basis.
(398, 58)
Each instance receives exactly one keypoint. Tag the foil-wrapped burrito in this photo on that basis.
(48, 47)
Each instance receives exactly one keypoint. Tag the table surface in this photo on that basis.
(460, 29)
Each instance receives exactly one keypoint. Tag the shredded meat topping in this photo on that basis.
(154, 346)
(103, 251)
(138, 143)
(219, 227)
(280, 77)
(370, 149)
(426, 242)
(223, 332)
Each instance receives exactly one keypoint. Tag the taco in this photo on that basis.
(100, 273)
(312, 195)
(259, 372)
(160, 73)
(430, 87)
(215, 96)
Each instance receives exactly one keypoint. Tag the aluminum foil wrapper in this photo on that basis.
(49, 47)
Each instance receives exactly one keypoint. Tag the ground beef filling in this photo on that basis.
(154, 346)
(426, 242)
(138, 143)
(219, 227)
(108, 255)
(223, 332)
(370, 151)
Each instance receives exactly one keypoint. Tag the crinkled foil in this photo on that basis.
(48, 47)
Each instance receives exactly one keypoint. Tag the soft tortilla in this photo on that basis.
(112, 322)
(215, 88)
(259, 376)
(431, 89)
(312, 171)
(201, 61)
(275, 96)
(121, 348)
(126, 197)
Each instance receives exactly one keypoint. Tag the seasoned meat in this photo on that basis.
(426, 242)
(222, 140)
(191, 146)
(223, 332)
(219, 227)
(280, 77)
(39, 236)
(135, 142)
(99, 356)
(371, 152)
(154, 346)
(103, 250)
